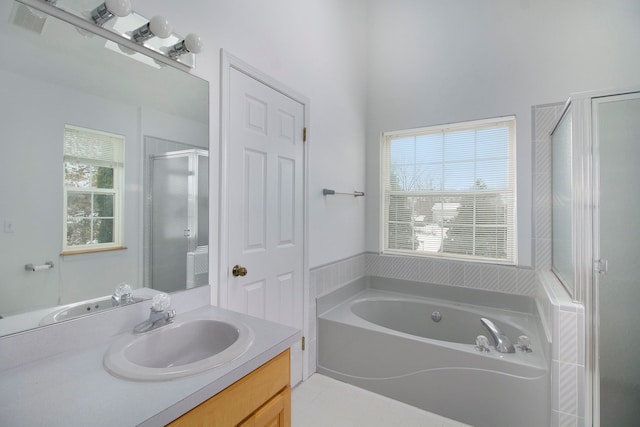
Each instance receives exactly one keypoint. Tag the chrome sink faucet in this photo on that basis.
(160, 315)
(503, 344)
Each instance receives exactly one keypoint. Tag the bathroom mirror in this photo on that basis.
(53, 78)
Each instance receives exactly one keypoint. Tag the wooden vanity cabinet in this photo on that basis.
(260, 399)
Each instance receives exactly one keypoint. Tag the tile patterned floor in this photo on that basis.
(321, 401)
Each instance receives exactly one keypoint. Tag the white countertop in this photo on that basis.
(73, 388)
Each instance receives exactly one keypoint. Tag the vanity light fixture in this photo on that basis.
(158, 26)
(172, 51)
(191, 44)
(109, 9)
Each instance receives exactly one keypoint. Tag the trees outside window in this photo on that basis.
(93, 181)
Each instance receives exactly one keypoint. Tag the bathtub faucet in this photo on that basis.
(503, 344)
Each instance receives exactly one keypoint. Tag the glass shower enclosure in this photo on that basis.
(616, 148)
(600, 267)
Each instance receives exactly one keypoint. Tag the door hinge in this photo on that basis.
(303, 344)
(304, 135)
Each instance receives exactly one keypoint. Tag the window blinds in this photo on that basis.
(451, 190)
(98, 148)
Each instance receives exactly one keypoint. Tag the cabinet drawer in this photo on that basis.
(274, 413)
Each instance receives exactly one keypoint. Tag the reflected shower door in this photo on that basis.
(170, 230)
(617, 239)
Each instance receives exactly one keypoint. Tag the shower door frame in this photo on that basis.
(592, 301)
(585, 176)
(583, 207)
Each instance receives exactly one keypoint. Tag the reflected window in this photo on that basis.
(93, 189)
(450, 191)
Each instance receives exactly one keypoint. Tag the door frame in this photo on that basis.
(228, 62)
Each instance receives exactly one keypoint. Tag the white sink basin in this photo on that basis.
(177, 350)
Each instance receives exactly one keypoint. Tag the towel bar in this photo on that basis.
(327, 192)
(47, 265)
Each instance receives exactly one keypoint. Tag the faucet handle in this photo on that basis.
(524, 344)
(482, 343)
(160, 302)
(122, 294)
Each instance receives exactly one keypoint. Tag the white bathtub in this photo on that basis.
(388, 343)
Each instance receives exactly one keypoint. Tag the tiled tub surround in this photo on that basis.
(568, 365)
(380, 336)
(488, 277)
(564, 320)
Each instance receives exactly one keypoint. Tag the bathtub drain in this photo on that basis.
(436, 316)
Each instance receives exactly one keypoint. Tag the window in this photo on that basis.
(93, 189)
(450, 191)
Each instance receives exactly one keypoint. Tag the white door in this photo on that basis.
(265, 205)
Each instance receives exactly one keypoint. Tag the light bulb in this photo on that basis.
(193, 43)
(109, 9)
(160, 27)
(119, 7)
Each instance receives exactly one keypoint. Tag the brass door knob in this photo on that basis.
(239, 271)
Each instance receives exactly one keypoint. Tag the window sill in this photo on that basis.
(92, 250)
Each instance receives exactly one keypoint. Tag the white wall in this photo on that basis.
(317, 48)
(433, 62)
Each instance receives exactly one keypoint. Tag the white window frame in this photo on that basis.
(512, 245)
(116, 162)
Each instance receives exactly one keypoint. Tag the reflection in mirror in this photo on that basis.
(101, 218)
(176, 215)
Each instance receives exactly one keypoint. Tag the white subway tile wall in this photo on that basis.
(325, 279)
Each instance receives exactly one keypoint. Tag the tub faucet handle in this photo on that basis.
(524, 344)
(482, 343)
